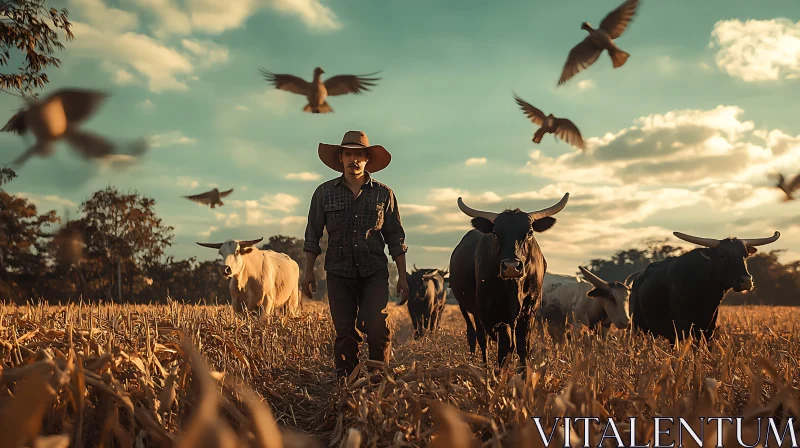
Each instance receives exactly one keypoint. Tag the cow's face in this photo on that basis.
(513, 232)
(616, 299)
(729, 265)
(418, 282)
(232, 258)
(728, 258)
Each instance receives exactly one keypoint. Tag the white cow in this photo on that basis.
(259, 278)
(587, 304)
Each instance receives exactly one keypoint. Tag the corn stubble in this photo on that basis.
(200, 376)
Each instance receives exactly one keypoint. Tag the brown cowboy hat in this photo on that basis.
(379, 157)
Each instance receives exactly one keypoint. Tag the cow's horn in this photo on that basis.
(761, 241)
(472, 213)
(593, 279)
(415, 267)
(707, 242)
(550, 211)
(211, 245)
(247, 243)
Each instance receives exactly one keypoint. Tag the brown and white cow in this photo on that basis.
(259, 278)
(592, 304)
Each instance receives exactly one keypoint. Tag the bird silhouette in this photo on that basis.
(58, 116)
(212, 198)
(787, 187)
(589, 49)
(550, 124)
(317, 91)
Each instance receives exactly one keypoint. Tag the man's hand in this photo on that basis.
(310, 283)
(402, 288)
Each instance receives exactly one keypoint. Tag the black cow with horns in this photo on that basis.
(496, 274)
(426, 299)
(680, 296)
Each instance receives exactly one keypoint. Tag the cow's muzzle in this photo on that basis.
(226, 271)
(745, 283)
(510, 268)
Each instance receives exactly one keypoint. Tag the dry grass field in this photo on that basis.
(129, 376)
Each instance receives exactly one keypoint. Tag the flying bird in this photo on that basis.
(788, 187)
(317, 91)
(586, 53)
(212, 198)
(58, 116)
(550, 124)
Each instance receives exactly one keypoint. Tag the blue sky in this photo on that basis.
(679, 139)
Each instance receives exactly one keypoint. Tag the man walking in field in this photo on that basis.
(362, 217)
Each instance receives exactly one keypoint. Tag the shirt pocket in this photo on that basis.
(374, 214)
(335, 216)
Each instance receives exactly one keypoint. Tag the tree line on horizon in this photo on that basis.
(125, 257)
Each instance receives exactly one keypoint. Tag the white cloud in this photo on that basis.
(666, 65)
(170, 139)
(104, 17)
(313, 13)
(207, 51)
(161, 66)
(146, 105)
(187, 182)
(304, 176)
(685, 147)
(207, 233)
(110, 36)
(215, 16)
(121, 77)
(451, 195)
(476, 161)
(436, 249)
(585, 84)
(47, 202)
(414, 209)
(233, 220)
(758, 50)
(280, 201)
(275, 101)
(294, 221)
(256, 212)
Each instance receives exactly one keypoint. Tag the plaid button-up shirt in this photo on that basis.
(358, 227)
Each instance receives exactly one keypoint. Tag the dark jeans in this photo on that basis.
(359, 305)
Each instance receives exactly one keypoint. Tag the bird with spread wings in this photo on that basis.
(59, 116)
(788, 188)
(317, 91)
(589, 49)
(550, 124)
(212, 198)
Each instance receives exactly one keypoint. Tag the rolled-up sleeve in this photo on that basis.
(315, 225)
(392, 229)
